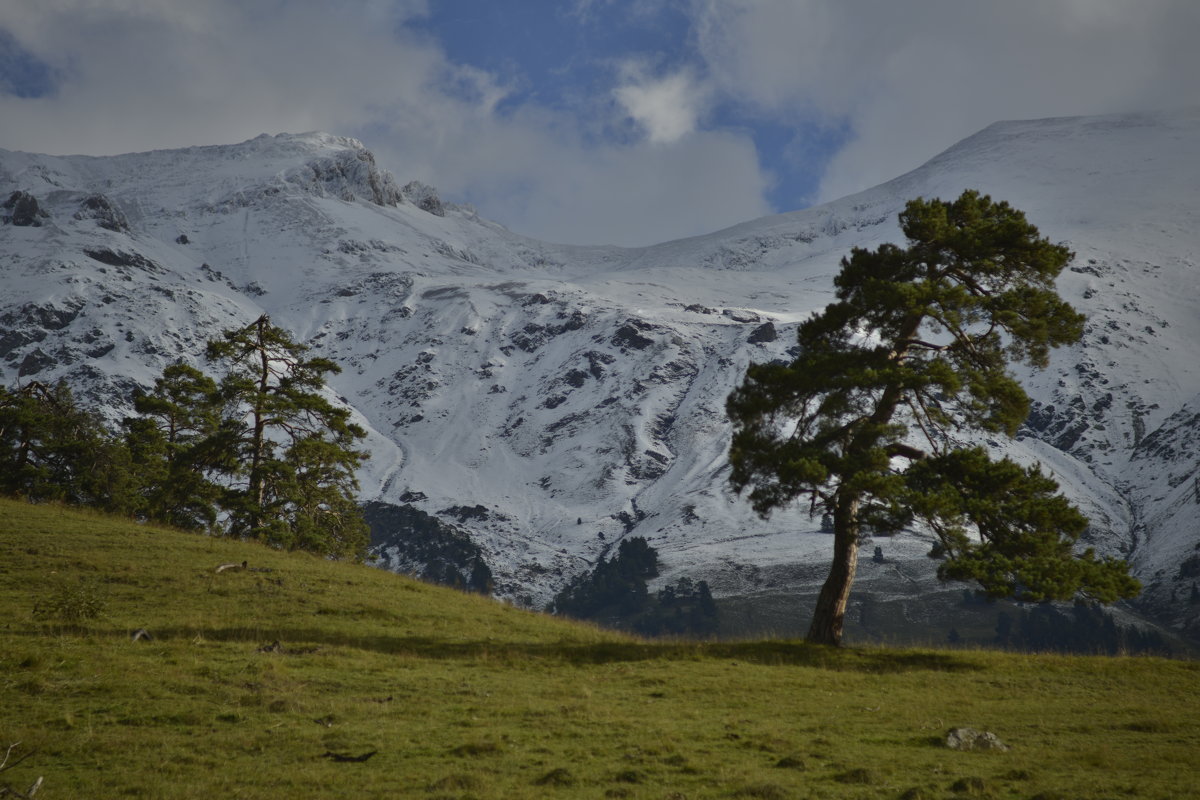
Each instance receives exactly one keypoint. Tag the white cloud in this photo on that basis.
(913, 78)
(534, 172)
(595, 10)
(667, 108)
(145, 74)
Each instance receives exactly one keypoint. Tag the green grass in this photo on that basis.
(464, 697)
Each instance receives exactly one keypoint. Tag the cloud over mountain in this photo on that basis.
(534, 112)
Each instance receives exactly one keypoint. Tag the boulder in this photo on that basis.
(764, 333)
(972, 739)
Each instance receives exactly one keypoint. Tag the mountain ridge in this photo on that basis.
(576, 393)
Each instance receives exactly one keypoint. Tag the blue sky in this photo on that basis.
(589, 121)
(565, 57)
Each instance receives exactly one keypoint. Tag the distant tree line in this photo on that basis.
(615, 593)
(52, 449)
(445, 555)
(1086, 628)
(257, 453)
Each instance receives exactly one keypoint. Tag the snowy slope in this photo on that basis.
(576, 394)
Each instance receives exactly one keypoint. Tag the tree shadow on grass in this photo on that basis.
(304, 641)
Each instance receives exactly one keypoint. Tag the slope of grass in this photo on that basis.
(458, 696)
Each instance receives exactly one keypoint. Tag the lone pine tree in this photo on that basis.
(917, 345)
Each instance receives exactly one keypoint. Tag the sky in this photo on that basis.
(590, 121)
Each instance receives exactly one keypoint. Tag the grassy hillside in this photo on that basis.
(459, 696)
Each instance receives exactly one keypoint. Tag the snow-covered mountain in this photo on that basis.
(548, 400)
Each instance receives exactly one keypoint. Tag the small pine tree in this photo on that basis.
(708, 606)
(481, 579)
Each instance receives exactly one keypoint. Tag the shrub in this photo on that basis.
(72, 603)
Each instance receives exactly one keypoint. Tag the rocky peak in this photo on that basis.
(347, 174)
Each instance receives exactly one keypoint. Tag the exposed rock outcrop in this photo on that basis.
(102, 210)
(764, 333)
(22, 210)
(424, 197)
(348, 175)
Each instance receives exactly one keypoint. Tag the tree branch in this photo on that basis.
(906, 343)
(920, 416)
(966, 280)
(899, 449)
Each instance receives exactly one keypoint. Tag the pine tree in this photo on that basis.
(708, 606)
(51, 448)
(177, 447)
(295, 451)
(615, 588)
(916, 347)
(481, 579)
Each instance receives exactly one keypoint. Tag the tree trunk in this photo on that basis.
(258, 486)
(830, 613)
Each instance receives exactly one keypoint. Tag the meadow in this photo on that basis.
(296, 677)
